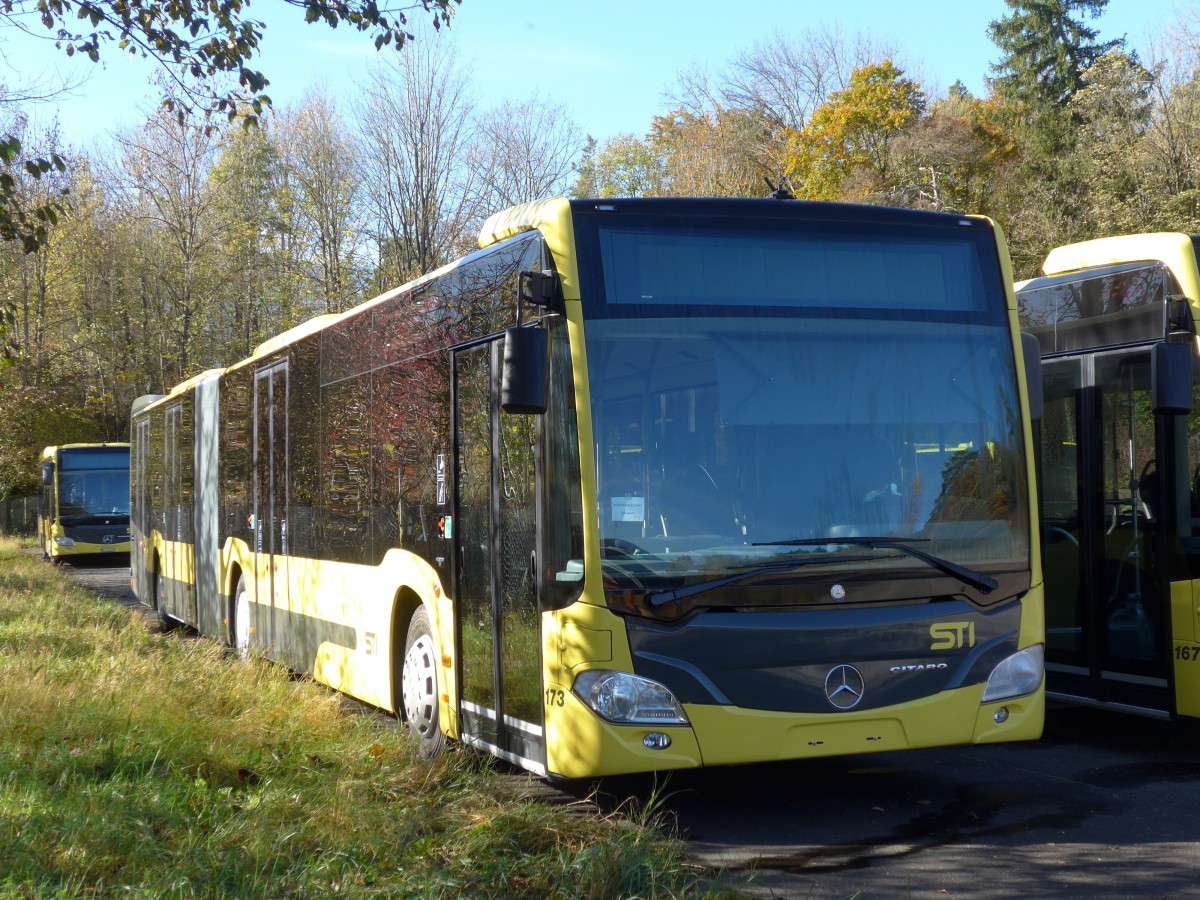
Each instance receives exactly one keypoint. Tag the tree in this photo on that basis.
(320, 158)
(742, 119)
(168, 166)
(250, 217)
(415, 117)
(843, 152)
(790, 77)
(30, 192)
(624, 166)
(198, 43)
(1046, 51)
(524, 151)
(1114, 111)
(1173, 137)
(712, 154)
(95, 357)
(955, 159)
(31, 419)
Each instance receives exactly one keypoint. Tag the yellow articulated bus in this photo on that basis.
(1120, 470)
(83, 507)
(638, 485)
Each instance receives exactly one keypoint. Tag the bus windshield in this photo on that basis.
(93, 482)
(732, 437)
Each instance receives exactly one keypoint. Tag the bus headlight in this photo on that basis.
(65, 542)
(628, 699)
(1019, 674)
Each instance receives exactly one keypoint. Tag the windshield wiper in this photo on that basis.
(658, 598)
(983, 583)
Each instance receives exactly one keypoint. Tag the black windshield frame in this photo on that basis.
(670, 569)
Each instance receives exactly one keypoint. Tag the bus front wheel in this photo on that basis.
(419, 686)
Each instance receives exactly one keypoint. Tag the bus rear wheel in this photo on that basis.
(241, 620)
(419, 686)
(160, 588)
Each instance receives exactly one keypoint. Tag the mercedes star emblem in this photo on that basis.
(844, 687)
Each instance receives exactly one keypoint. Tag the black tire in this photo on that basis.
(420, 697)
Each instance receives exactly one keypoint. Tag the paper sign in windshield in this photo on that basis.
(628, 509)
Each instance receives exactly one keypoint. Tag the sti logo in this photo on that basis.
(952, 635)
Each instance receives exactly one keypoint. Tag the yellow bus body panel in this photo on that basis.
(81, 548)
(1172, 249)
(178, 560)
(1185, 649)
(1184, 611)
(580, 744)
(359, 600)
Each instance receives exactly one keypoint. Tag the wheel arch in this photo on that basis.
(229, 599)
(154, 552)
(153, 568)
(404, 607)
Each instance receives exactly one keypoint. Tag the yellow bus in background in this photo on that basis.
(83, 506)
(638, 485)
(1119, 467)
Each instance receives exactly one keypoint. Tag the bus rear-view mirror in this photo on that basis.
(1171, 377)
(523, 377)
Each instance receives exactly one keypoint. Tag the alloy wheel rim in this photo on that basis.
(420, 679)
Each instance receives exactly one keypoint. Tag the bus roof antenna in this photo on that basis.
(782, 192)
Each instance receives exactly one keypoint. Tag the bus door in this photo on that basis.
(270, 504)
(172, 583)
(493, 532)
(48, 506)
(1107, 581)
(140, 505)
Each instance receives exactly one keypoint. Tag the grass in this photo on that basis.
(140, 764)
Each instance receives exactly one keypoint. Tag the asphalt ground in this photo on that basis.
(1106, 805)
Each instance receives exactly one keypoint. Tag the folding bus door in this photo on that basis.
(270, 506)
(140, 506)
(494, 529)
(172, 566)
(1104, 531)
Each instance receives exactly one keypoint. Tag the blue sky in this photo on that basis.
(608, 62)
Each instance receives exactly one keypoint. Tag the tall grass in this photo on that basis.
(134, 763)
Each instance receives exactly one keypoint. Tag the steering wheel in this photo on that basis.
(622, 549)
